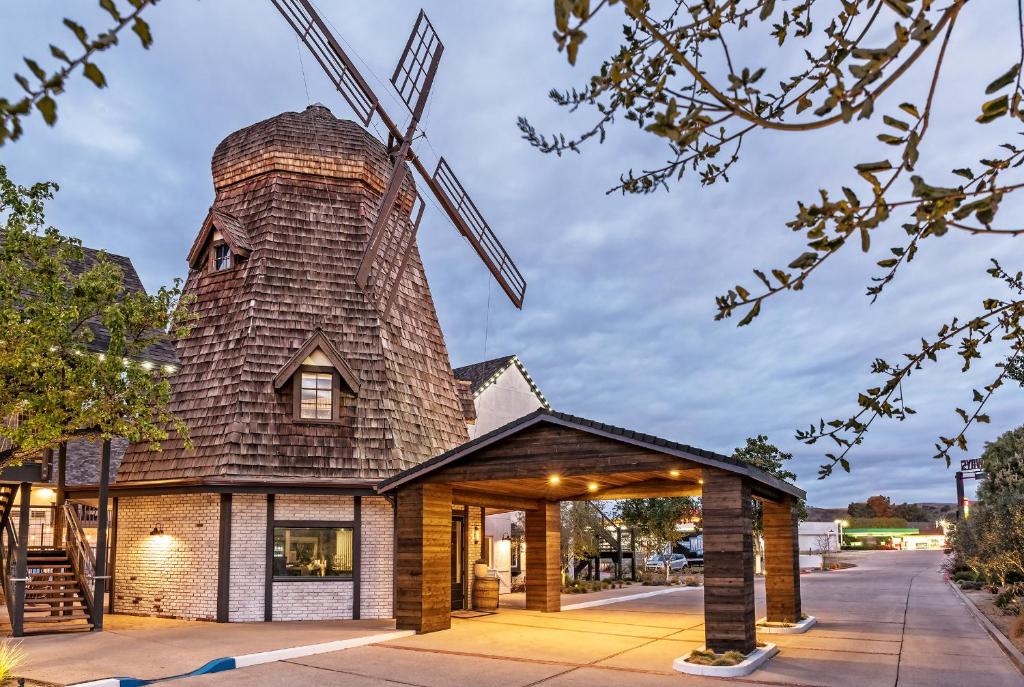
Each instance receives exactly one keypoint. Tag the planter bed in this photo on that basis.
(752, 662)
(764, 627)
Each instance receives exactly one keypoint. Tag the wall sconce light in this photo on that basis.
(592, 486)
(673, 473)
(158, 531)
(554, 480)
(476, 534)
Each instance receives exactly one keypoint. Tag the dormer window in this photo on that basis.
(316, 392)
(323, 385)
(221, 256)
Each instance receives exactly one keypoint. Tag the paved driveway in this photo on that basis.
(890, 621)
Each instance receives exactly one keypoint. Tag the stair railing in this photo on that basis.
(8, 560)
(83, 560)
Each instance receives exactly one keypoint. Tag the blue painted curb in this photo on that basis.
(217, 665)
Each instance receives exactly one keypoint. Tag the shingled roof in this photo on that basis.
(543, 415)
(480, 375)
(304, 185)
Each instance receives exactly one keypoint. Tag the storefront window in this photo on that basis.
(313, 552)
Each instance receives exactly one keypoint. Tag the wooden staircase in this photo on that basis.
(54, 599)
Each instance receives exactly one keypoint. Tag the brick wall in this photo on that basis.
(174, 575)
(248, 557)
(377, 580)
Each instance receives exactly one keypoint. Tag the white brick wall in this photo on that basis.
(376, 581)
(174, 575)
(248, 557)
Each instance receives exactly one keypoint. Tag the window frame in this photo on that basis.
(213, 257)
(335, 395)
(315, 524)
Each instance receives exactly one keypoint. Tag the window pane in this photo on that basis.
(317, 399)
(313, 552)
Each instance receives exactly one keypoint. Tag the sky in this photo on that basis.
(618, 324)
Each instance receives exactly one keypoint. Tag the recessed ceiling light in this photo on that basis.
(592, 486)
(673, 473)
(554, 479)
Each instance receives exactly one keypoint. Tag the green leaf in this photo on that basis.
(111, 9)
(93, 73)
(896, 123)
(78, 30)
(1003, 80)
(766, 9)
(36, 69)
(59, 54)
(751, 314)
(48, 108)
(879, 166)
(845, 464)
(141, 29)
(804, 261)
(900, 7)
(911, 110)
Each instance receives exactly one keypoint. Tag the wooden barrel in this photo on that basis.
(485, 594)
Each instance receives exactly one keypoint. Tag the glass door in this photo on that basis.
(458, 549)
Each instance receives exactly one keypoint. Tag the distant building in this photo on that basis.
(500, 390)
(817, 537)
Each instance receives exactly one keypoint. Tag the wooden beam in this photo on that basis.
(58, 519)
(782, 561)
(357, 555)
(543, 558)
(423, 597)
(100, 580)
(644, 490)
(224, 561)
(268, 580)
(728, 563)
(470, 497)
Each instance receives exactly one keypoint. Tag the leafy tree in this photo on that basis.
(43, 86)
(1003, 461)
(579, 521)
(682, 74)
(991, 541)
(656, 521)
(881, 506)
(911, 512)
(51, 388)
(859, 510)
(768, 457)
(877, 522)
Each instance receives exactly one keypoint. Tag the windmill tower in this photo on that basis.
(317, 353)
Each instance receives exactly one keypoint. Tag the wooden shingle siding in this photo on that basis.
(423, 562)
(543, 558)
(728, 562)
(302, 185)
(782, 561)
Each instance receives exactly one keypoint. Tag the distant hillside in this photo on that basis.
(935, 511)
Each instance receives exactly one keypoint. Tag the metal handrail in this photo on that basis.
(80, 553)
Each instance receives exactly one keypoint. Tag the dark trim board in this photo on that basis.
(351, 524)
(112, 569)
(357, 553)
(91, 490)
(224, 561)
(268, 578)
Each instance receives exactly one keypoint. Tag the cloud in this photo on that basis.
(618, 323)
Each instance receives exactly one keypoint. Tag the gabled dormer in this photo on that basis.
(222, 243)
(320, 379)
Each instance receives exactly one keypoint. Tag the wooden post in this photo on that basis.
(357, 556)
(728, 563)
(224, 561)
(423, 574)
(268, 580)
(21, 565)
(543, 558)
(782, 561)
(100, 580)
(58, 520)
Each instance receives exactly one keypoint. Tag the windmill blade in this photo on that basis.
(417, 66)
(312, 31)
(387, 203)
(389, 290)
(468, 220)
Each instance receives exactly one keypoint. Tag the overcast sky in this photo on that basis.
(618, 323)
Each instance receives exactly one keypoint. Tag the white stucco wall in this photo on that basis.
(508, 398)
(814, 535)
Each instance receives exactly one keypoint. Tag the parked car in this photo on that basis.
(676, 562)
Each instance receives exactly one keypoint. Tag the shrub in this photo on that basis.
(1017, 629)
(1008, 600)
(11, 657)
(710, 658)
(965, 576)
(691, 581)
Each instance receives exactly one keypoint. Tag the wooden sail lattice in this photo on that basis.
(412, 79)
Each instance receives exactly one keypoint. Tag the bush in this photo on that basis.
(1017, 629)
(710, 658)
(965, 576)
(691, 581)
(1008, 600)
(991, 540)
(11, 657)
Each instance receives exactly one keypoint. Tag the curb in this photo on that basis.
(1012, 653)
(219, 665)
(794, 629)
(620, 599)
(759, 657)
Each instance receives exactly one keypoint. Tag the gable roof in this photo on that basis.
(318, 341)
(482, 375)
(230, 228)
(543, 415)
(161, 352)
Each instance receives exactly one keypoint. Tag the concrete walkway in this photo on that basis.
(892, 621)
